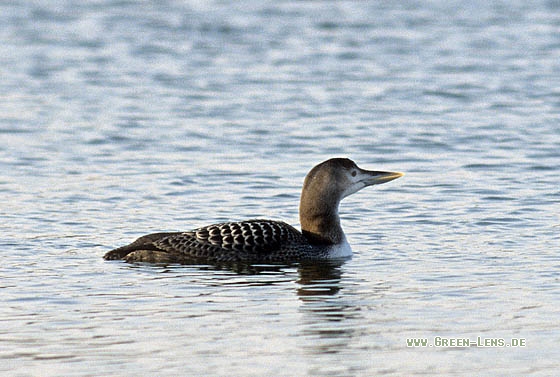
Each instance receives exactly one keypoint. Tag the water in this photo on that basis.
(123, 118)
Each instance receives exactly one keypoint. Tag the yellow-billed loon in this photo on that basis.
(321, 235)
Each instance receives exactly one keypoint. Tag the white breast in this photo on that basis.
(341, 250)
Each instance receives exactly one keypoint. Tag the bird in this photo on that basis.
(268, 241)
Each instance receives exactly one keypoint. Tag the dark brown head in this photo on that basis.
(325, 186)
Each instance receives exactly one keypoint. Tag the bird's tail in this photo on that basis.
(143, 243)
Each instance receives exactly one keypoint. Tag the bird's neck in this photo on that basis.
(320, 223)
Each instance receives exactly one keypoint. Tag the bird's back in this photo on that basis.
(251, 240)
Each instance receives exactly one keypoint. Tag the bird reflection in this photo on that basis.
(330, 316)
(319, 278)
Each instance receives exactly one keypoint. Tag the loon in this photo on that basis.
(257, 240)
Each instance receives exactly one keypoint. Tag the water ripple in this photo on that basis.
(123, 118)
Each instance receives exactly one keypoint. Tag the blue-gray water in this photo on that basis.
(121, 118)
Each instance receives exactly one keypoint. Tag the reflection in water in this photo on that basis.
(319, 278)
(314, 276)
(333, 317)
(330, 317)
(334, 314)
(239, 268)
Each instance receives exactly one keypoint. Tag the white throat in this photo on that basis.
(340, 250)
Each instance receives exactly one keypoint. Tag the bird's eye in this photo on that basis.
(354, 173)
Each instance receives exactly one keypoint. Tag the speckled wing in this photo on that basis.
(252, 239)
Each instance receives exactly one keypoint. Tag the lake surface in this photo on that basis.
(122, 118)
